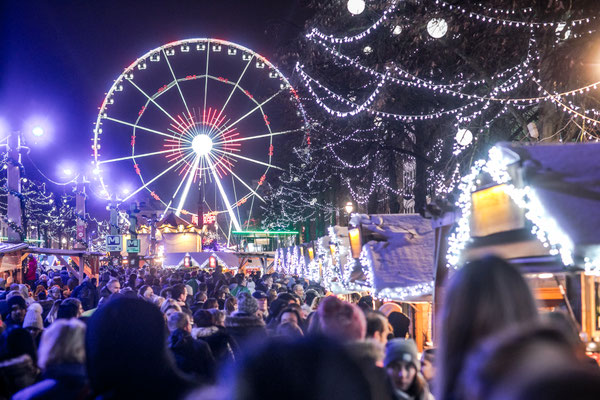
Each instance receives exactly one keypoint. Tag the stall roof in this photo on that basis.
(566, 178)
(402, 258)
(230, 260)
(10, 247)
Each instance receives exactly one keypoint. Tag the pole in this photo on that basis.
(15, 226)
(80, 213)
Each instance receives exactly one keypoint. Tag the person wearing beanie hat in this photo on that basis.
(245, 325)
(17, 308)
(341, 320)
(402, 366)
(33, 321)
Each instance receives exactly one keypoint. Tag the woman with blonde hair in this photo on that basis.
(62, 361)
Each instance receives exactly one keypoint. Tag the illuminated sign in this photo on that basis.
(212, 262)
(494, 212)
(209, 218)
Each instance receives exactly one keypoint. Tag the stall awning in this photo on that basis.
(402, 257)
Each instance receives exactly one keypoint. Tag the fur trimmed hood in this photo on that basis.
(202, 332)
(242, 320)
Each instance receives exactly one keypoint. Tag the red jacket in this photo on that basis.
(31, 270)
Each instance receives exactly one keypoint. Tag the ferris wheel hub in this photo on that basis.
(202, 144)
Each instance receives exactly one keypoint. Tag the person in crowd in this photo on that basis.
(168, 307)
(241, 285)
(145, 292)
(400, 324)
(378, 327)
(261, 300)
(245, 325)
(221, 344)
(69, 308)
(311, 294)
(192, 356)
(290, 315)
(127, 355)
(33, 321)
(17, 309)
(299, 291)
(62, 362)
(231, 305)
(403, 367)
(87, 293)
(289, 330)
(112, 286)
(341, 320)
(366, 304)
(483, 298)
(428, 367)
(308, 368)
(521, 354)
(18, 357)
(210, 303)
(265, 284)
(31, 275)
(179, 294)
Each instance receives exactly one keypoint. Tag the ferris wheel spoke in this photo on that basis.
(206, 79)
(242, 182)
(258, 136)
(142, 128)
(259, 106)
(190, 177)
(145, 185)
(236, 86)
(177, 191)
(136, 156)
(154, 102)
(176, 81)
(223, 194)
(248, 159)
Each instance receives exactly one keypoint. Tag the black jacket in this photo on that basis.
(193, 357)
(244, 328)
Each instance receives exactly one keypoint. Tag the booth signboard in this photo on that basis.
(114, 243)
(133, 245)
(494, 211)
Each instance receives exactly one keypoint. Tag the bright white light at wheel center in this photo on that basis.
(202, 144)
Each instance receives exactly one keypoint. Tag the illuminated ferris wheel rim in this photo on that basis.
(164, 49)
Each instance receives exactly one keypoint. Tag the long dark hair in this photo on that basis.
(484, 297)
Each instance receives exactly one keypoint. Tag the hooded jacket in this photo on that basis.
(243, 328)
(192, 356)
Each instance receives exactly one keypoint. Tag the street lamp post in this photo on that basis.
(349, 207)
(15, 227)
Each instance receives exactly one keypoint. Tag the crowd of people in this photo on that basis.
(159, 334)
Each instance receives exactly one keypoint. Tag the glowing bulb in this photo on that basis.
(67, 171)
(437, 27)
(397, 30)
(464, 137)
(38, 131)
(356, 6)
(368, 50)
(125, 190)
(202, 144)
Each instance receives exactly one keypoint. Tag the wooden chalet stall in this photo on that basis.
(538, 207)
(398, 251)
(12, 256)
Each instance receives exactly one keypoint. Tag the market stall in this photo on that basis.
(538, 207)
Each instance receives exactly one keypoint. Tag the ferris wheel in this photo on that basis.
(197, 124)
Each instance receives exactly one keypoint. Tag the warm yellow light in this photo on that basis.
(349, 207)
(355, 242)
(311, 253)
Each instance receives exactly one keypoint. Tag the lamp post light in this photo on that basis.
(349, 207)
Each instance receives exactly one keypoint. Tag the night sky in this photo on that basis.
(60, 57)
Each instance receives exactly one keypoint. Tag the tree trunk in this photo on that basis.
(394, 204)
(420, 175)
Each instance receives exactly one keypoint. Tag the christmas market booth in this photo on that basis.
(390, 257)
(538, 207)
(78, 261)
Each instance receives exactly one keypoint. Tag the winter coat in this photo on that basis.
(16, 374)
(31, 270)
(65, 381)
(221, 344)
(87, 293)
(192, 356)
(244, 328)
